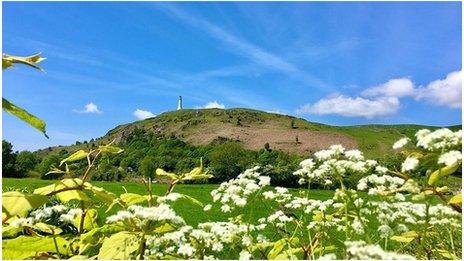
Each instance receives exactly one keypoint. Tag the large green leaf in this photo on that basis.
(24, 115)
(442, 172)
(132, 198)
(100, 193)
(65, 190)
(119, 246)
(24, 247)
(17, 203)
(90, 220)
(78, 155)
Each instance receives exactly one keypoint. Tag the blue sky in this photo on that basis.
(334, 63)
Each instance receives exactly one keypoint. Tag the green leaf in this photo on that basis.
(88, 241)
(72, 190)
(16, 203)
(161, 172)
(9, 231)
(24, 115)
(56, 170)
(90, 220)
(100, 193)
(193, 200)
(456, 199)
(78, 155)
(119, 246)
(24, 247)
(47, 228)
(110, 149)
(442, 172)
(33, 60)
(132, 198)
(290, 254)
(406, 237)
(277, 249)
(164, 228)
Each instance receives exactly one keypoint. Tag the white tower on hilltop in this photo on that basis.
(179, 103)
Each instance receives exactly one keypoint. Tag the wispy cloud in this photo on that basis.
(89, 108)
(143, 114)
(245, 48)
(393, 88)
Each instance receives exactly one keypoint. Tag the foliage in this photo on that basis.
(398, 218)
(8, 61)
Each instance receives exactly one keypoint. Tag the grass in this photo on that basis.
(193, 214)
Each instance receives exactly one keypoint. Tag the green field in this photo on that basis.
(193, 214)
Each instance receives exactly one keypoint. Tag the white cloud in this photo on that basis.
(393, 88)
(142, 114)
(353, 107)
(89, 108)
(446, 92)
(213, 104)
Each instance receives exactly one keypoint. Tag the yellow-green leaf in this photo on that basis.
(24, 247)
(161, 172)
(24, 115)
(110, 149)
(70, 189)
(78, 155)
(33, 60)
(132, 198)
(90, 220)
(456, 199)
(442, 172)
(100, 193)
(17, 203)
(119, 246)
(47, 228)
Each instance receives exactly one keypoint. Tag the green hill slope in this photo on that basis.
(253, 129)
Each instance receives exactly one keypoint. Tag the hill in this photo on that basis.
(253, 129)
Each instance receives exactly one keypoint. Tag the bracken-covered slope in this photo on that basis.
(255, 128)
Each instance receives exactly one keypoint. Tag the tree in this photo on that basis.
(9, 160)
(228, 160)
(147, 167)
(26, 161)
(47, 163)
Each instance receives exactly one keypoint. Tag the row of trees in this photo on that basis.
(17, 164)
(144, 152)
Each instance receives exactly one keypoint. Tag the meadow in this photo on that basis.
(193, 214)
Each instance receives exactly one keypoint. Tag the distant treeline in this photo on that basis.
(146, 151)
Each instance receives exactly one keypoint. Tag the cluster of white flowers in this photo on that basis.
(400, 143)
(71, 215)
(279, 194)
(333, 161)
(410, 164)
(147, 216)
(439, 139)
(201, 243)
(450, 158)
(360, 250)
(380, 184)
(234, 193)
(41, 215)
(169, 197)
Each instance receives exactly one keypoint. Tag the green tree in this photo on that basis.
(228, 160)
(26, 161)
(147, 167)
(47, 163)
(9, 160)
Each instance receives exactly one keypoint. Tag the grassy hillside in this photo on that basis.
(255, 128)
